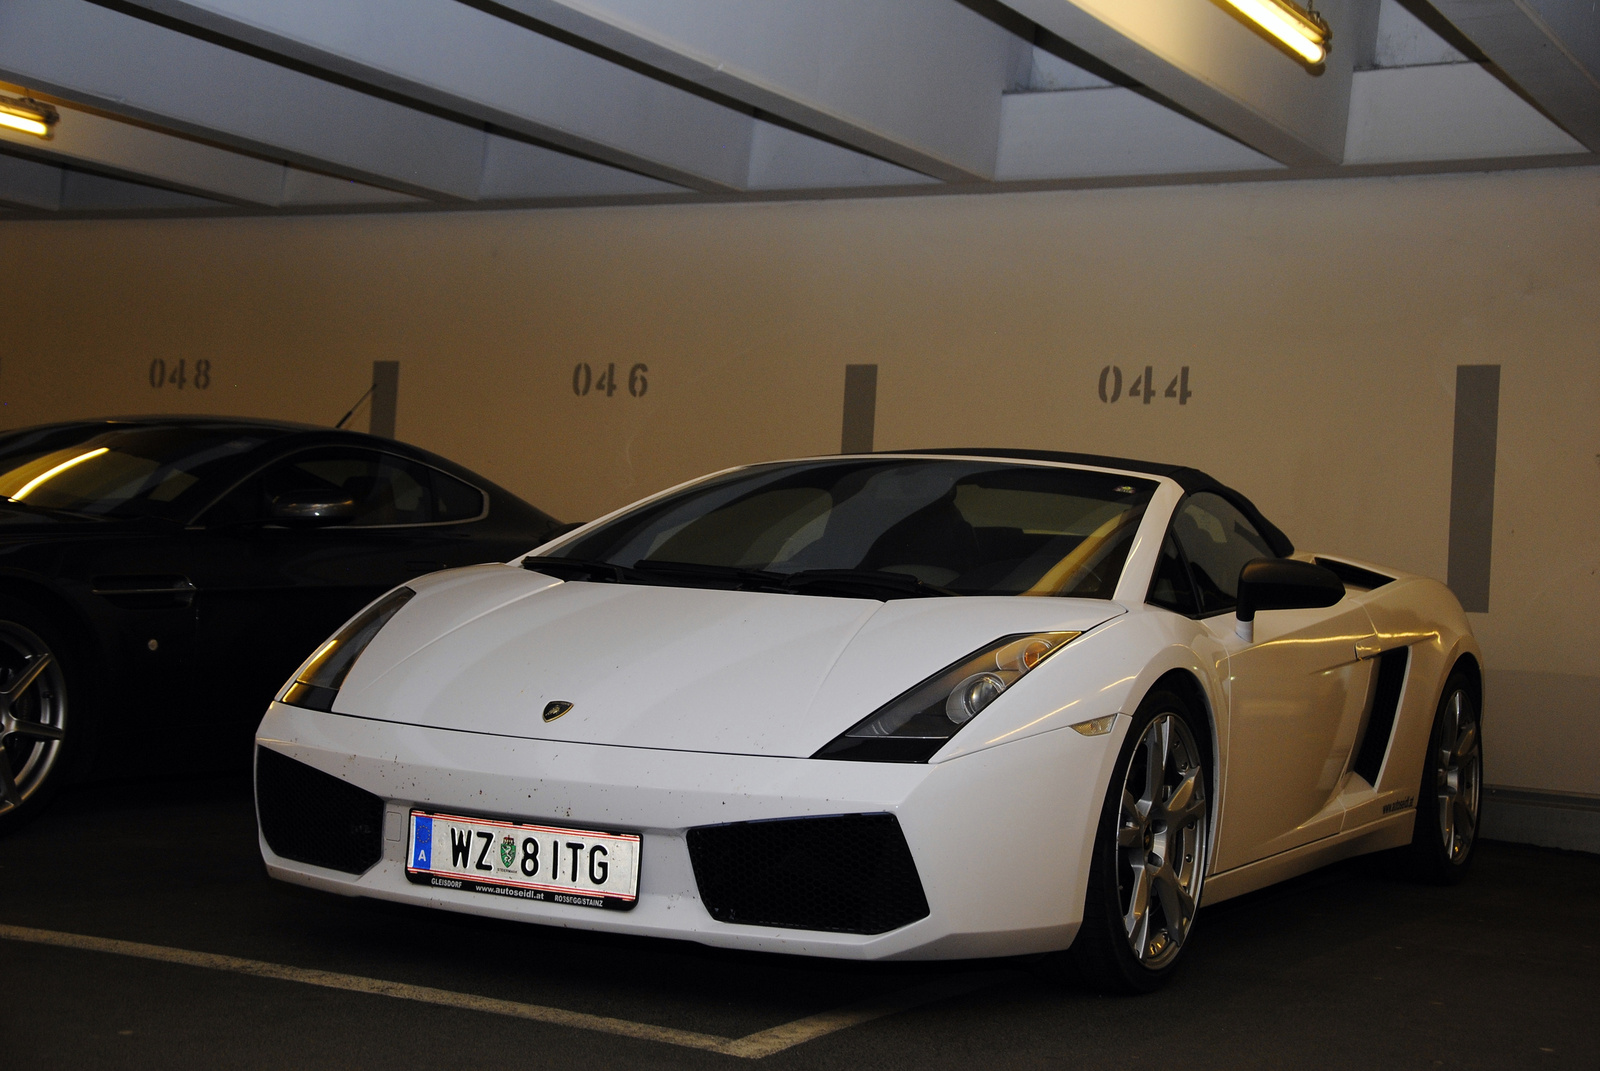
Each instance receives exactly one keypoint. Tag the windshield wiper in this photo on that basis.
(730, 576)
(856, 582)
(583, 569)
(847, 583)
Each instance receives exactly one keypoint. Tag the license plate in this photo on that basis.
(524, 860)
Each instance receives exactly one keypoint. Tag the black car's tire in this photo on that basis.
(43, 738)
(1149, 853)
(1450, 797)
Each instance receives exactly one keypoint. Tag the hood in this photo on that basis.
(675, 668)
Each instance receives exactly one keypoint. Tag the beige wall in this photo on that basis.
(1322, 323)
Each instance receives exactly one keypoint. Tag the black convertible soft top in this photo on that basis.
(1191, 480)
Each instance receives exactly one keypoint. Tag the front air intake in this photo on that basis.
(848, 873)
(312, 817)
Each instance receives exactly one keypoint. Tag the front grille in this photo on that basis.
(312, 817)
(847, 873)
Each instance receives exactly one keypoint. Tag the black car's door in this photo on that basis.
(269, 590)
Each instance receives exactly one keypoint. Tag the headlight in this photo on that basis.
(916, 723)
(318, 681)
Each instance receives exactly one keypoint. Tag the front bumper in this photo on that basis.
(1001, 837)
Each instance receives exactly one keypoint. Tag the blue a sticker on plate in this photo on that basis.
(423, 839)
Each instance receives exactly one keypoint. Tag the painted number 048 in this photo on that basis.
(1143, 386)
(178, 375)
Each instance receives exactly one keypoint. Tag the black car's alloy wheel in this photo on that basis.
(33, 719)
(1449, 800)
(1149, 854)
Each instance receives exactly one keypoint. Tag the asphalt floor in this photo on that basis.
(138, 929)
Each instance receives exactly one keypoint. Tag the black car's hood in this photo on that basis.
(21, 521)
(15, 516)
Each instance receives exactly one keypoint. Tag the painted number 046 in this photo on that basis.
(584, 380)
(178, 375)
(1143, 386)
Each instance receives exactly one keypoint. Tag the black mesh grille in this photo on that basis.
(312, 817)
(848, 873)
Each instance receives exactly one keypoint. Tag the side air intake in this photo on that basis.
(1380, 723)
(313, 817)
(847, 873)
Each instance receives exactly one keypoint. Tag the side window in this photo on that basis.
(387, 490)
(1218, 540)
(1170, 587)
(454, 500)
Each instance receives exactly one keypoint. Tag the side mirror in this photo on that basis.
(311, 508)
(1282, 584)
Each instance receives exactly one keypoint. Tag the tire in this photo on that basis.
(39, 740)
(1450, 797)
(1156, 813)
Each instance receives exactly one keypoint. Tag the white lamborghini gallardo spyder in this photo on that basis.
(940, 704)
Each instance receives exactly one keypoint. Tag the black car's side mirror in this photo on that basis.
(1282, 584)
(311, 508)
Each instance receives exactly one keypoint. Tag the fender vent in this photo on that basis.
(1353, 576)
(1380, 723)
(847, 873)
(312, 817)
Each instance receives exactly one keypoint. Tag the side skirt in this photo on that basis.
(1391, 831)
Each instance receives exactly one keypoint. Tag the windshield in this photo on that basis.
(121, 472)
(961, 527)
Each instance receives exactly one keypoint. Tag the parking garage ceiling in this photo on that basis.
(197, 107)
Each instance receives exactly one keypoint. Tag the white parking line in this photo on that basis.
(752, 1046)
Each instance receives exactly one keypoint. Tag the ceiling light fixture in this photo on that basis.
(1305, 31)
(28, 116)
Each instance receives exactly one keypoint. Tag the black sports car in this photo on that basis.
(158, 564)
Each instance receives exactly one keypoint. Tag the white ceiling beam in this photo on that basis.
(917, 84)
(82, 191)
(124, 65)
(155, 157)
(470, 63)
(148, 155)
(28, 183)
(1215, 66)
(1448, 111)
(517, 171)
(785, 159)
(1549, 48)
(34, 185)
(1106, 132)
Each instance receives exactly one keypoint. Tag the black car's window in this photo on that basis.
(972, 527)
(120, 472)
(454, 500)
(1170, 586)
(387, 490)
(1218, 540)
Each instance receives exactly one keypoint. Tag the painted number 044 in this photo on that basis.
(584, 380)
(1143, 386)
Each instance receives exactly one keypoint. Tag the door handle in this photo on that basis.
(1368, 649)
(145, 592)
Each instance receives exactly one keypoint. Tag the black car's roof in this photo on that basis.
(1190, 479)
(191, 421)
(271, 430)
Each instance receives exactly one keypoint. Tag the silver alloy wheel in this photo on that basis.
(1460, 761)
(1161, 841)
(33, 714)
